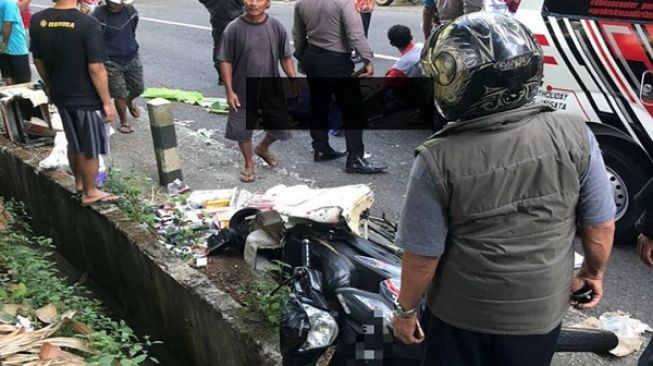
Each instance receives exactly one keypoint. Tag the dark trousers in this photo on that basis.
(329, 75)
(646, 359)
(366, 17)
(446, 345)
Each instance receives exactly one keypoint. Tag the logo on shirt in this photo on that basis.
(44, 23)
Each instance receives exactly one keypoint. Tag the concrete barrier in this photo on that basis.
(173, 302)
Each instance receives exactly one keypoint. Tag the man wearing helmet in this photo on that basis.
(492, 205)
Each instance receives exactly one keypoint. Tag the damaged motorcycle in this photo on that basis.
(344, 283)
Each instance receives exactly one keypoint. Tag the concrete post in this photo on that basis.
(162, 126)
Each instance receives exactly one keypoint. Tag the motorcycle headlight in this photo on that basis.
(379, 308)
(324, 329)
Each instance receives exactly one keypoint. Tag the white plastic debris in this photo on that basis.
(24, 323)
(58, 157)
(629, 330)
(201, 262)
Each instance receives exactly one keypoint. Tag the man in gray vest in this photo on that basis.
(493, 203)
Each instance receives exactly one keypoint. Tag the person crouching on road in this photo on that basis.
(251, 46)
(492, 205)
(119, 20)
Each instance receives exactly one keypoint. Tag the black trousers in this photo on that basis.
(329, 75)
(446, 345)
(366, 18)
(646, 359)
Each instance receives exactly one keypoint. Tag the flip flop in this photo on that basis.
(103, 200)
(247, 177)
(126, 129)
(270, 159)
(134, 111)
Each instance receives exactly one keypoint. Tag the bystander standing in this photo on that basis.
(221, 12)
(14, 57)
(252, 46)
(492, 207)
(69, 56)
(119, 20)
(325, 33)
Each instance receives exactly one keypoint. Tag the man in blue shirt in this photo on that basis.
(119, 20)
(14, 61)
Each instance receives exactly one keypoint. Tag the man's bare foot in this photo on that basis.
(99, 197)
(267, 156)
(134, 110)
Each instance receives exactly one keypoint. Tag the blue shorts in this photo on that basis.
(428, 3)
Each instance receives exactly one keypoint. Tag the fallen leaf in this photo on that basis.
(78, 327)
(47, 313)
(49, 351)
(13, 309)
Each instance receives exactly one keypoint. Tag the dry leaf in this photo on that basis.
(13, 309)
(47, 313)
(78, 327)
(49, 351)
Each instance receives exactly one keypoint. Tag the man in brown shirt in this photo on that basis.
(325, 33)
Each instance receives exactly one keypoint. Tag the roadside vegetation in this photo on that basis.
(46, 321)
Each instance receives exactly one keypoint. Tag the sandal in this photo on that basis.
(247, 177)
(103, 200)
(270, 159)
(134, 111)
(125, 129)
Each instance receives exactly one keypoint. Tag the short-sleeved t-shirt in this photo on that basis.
(423, 224)
(17, 44)
(67, 41)
(254, 50)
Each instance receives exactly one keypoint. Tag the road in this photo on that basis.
(176, 51)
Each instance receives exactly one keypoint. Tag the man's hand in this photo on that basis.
(366, 71)
(109, 113)
(595, 282)
(407, 330)
(295, 89)
(645, 249)
(234, 102)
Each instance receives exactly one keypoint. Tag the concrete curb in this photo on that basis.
(203, 325)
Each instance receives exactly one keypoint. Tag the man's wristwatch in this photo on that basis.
(400, 312)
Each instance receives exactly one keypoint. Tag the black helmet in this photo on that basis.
(482, 63)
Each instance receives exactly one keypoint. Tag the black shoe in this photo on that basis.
(359, 165)
(328, 154)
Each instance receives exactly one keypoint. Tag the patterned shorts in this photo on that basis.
(125, 80)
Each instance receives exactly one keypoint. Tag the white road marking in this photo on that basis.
(202, 27)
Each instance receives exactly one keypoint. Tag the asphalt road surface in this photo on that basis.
(176, 44)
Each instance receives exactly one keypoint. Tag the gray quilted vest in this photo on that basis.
(509, 184)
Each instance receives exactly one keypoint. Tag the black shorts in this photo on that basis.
(16, 67)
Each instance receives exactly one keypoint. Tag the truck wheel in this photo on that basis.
(383, 2)
(627, 176)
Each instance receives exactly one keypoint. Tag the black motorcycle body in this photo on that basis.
(349, 284)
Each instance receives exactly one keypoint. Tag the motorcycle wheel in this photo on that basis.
(586, 340)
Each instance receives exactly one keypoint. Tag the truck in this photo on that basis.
(598, 62)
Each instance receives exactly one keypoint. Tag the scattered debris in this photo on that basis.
(21, 346)
(628, 330)
(212, 105)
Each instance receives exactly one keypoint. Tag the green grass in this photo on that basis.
(27, 276)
